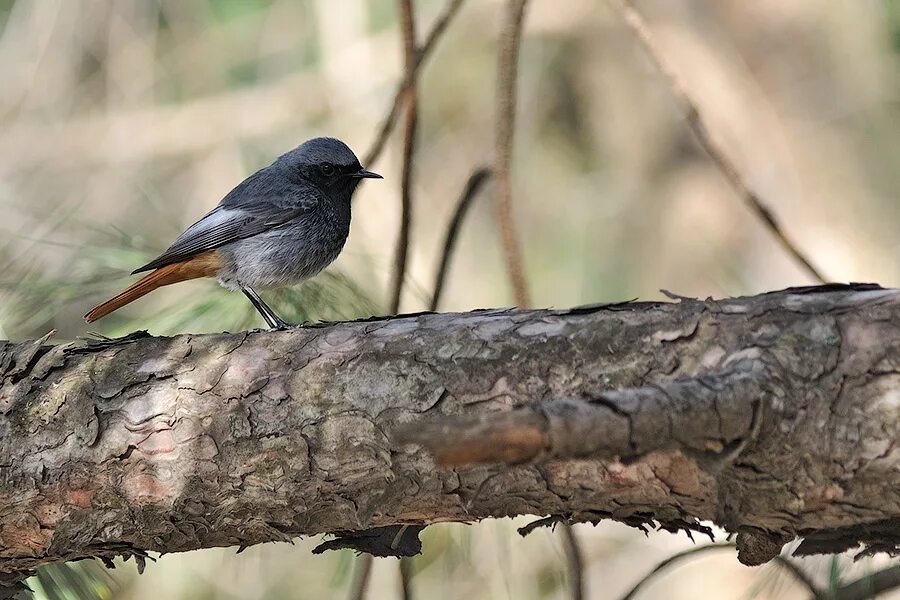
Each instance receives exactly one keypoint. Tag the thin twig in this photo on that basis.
(507, 70)
(363, 570)
(675, 558)
(478, 178)
(406, 575)
(401, 252)
(869, 586)
(387, 124)
(789, 566)
(694, 117)
(574, 561)
(800, 576)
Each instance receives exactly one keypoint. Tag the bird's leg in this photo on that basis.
(272, 320)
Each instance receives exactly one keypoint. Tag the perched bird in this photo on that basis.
(283, 224)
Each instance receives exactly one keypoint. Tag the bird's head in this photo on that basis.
(329, 164)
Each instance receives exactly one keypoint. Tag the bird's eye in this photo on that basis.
(327, 170)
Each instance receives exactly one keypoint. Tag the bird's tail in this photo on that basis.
(202, 265)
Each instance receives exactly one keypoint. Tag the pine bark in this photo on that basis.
(774, 416)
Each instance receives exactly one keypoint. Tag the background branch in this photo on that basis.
(476, 181)
(574, 562)
(672, 560)
(507, 76)
(401, 252)
(409, 76)
(361, 577)
(869, 586)
(694, 117)
(406, 576)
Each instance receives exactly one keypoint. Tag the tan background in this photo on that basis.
(123, 122)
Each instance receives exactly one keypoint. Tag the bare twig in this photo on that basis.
(694, 117)
(406, 575)
(800, 576)
(789, 566)
(478, 178)
(675, 558)
(360, 584)
(401, 253)
(387, 125)
(870, 586)
(507, 70)
(574, 561)
(437, 30)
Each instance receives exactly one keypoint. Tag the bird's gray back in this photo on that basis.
(277, 227)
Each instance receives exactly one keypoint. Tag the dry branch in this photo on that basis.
(694, 117)
(410, 57)
(476, 180)
(387, 124)
(507, 79)
(774, 416)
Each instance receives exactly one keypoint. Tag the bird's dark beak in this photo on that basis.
(363, 174)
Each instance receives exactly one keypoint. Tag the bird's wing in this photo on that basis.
(226, 224)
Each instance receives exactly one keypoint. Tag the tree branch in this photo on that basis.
(620, 424)
(774, 416)
(361, 576)
(574, 561)
(507, 78)
(698, 125)
(410, 57)
(476, 181)
(795, 571)
(870, 586)
(387, 125)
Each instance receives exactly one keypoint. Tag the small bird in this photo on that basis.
(280, 226)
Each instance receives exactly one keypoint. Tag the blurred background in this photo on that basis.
(122, 122)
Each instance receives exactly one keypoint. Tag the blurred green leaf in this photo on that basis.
(82, 580)
(227, 10)
(34, 300)
(834, 573)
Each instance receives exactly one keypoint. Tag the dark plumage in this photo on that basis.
(283, 224)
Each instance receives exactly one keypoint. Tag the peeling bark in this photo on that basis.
(774, 416)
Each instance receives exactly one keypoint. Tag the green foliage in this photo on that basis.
(36, 302)
(892, 12)
(83, 580)
(834, 573)
(5, 8)
(228, 10)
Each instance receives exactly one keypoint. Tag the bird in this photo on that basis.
(280, 226)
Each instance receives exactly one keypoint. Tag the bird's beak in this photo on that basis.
(363, 174)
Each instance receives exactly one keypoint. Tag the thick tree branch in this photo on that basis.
(620, 424)
(774, 416)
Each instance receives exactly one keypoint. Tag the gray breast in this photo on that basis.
(285, 255)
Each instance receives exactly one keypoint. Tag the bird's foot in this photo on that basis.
(279, 324)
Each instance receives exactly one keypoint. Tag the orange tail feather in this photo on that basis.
(202, 265)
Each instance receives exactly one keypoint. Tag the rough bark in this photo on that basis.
(774, 416)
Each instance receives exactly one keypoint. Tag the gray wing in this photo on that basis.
(223, 225)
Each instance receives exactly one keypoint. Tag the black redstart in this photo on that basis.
(283, 224)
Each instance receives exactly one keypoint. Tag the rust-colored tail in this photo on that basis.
(202, 265)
